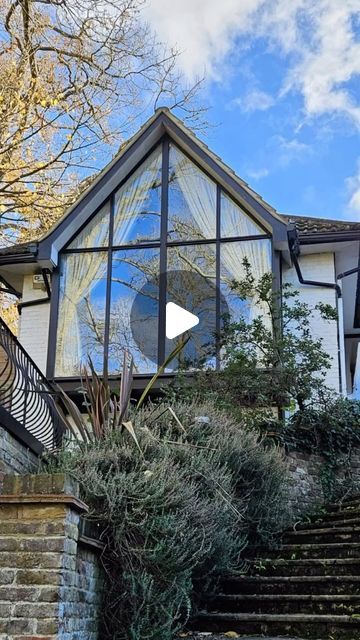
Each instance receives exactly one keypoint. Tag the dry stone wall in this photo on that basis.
(14, 456)
(306, 470)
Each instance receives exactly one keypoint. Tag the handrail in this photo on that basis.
(26, 395)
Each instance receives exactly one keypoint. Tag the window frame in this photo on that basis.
(162, 245)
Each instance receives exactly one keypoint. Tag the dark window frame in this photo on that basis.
(161, 244)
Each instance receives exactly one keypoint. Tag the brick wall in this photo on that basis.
(319, 267)
(34, 324)
(50, 580)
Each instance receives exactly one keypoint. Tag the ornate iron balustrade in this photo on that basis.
(27, 399)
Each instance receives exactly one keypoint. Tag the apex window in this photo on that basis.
(167, 215)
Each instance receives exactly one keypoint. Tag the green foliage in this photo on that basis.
(330, 427)
(273, 359)
(332, 430)
(179, 514)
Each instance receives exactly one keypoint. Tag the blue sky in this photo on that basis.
(282, 79)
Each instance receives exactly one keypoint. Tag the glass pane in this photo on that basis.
(198, 296)
(192, 200)
(134, 325)
(96, 232)
(138, 204)
(232, 255)
(234, 222)
(81, 312)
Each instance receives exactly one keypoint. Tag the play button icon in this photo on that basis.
(178, 320)
(160, 314)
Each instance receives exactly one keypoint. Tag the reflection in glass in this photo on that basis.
(196, 296)
(192, 200)
(232, 254)
(81, 312)
(131, 270)
(96, 232)
(138, 204)
(234, 222)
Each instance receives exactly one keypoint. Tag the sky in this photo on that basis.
(282, 82)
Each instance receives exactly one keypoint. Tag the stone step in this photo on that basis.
(345, 504)
(338, 627)
(350, 522)
(324, 534)
(318, 550)
(324, 584)
(345, 514)
(287, 603)
(307, 566)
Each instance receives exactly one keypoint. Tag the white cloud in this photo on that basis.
(255, 100)
(204, 30)
(283, 150)
(257, 174)
(353, 188)
(318, 40)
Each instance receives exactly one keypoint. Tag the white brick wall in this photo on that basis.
(34, 324)
(319, 267)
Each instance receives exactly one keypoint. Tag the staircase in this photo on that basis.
(308, 588)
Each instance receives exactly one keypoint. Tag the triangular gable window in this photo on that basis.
(96, 232)
(138, 204)
(192, 200)
(234, 222)
(149, 226)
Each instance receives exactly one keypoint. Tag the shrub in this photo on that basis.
(332, 430)
(177, 515)
(272, 359)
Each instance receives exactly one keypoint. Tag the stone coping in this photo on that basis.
(41, 498)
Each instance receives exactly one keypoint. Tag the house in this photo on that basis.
(167, 203)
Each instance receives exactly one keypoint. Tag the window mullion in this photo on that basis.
(108, 291)
(218, 274)
(163, 249)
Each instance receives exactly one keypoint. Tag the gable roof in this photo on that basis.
(314, 230)
(163, 122)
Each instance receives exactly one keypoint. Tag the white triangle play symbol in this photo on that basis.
(178, 320)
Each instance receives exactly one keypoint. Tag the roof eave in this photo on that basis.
(161, 123)
(328, 237)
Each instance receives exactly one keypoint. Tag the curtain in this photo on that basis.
(131, 197)
(96, 232)
(258, 253)
(81, 273)
(200, 195)
(234, 222)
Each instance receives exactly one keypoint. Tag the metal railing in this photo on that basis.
(27, 398)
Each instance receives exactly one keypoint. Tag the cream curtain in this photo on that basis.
(96, 232)
(200, 195)
(131, 197)
(81, 273)
(258, 253)
(234, 222)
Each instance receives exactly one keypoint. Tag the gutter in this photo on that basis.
(294, 246)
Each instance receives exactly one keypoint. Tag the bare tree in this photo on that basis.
(75, 78)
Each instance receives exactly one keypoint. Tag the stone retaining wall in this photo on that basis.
(14, 456)
(307, 469)
(50, 578)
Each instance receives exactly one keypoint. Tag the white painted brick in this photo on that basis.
(34, 325)
(319, 267)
